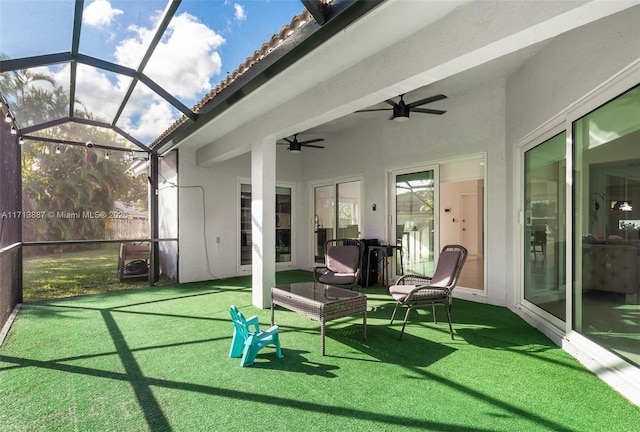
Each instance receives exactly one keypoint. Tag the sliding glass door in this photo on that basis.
(606, 245)
(414, 217)
(544, 238)
(337, 208)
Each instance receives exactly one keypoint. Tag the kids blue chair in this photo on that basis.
(246, 343)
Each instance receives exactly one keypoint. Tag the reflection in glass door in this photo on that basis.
(544, 232)
(606, 238)
(322, 220)
(415, 220)
(333, 219)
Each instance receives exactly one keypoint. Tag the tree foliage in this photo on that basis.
(68, 195)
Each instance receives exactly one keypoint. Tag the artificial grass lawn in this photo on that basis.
(157, 359)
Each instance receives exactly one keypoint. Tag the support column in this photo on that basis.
(154, 251)
(263, 221)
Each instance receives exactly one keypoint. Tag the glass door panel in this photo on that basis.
(544, 232)
(322, 220)
(348, 209)
(415, 211)
(607, 226)
(283, 224)
(335, 218)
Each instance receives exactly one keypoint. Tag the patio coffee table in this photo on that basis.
(320, 302)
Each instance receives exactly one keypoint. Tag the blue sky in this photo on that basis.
(206, 40)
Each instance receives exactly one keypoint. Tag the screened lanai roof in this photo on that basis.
(134, 66)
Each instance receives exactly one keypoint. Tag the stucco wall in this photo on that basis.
(201, 256)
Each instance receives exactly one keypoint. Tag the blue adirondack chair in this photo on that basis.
(246, 342)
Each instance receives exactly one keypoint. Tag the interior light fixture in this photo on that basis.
(58, 150)
(21, 140)
(8, 118)
(106, 155)
(14, 131)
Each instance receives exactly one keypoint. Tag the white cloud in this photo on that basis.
(100, 13)
(183, 63)
(240, 13)
(185, 59)
(156, 117)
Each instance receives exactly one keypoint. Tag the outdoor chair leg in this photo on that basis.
(394, 313)
(276, 341)
(448, 307)
(406, 315)
(435, 317)
(250, 353)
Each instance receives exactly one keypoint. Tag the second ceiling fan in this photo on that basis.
(401, 109)
(295, 146)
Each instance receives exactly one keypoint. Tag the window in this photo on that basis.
(283, 224)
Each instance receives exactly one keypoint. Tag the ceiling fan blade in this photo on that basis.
(311, 145)
(311, 141)
(426, 100)
(428, 111)
(375, 109)
(392, 103)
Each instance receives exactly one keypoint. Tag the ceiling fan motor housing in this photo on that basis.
(400, 112)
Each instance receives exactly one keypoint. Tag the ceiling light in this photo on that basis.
(294, 150)
(58, 150)
(21, 140)
(8, 118)
(106, 155)
(14, 131)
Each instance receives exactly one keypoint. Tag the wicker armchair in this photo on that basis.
(415, 291)
(343, 260)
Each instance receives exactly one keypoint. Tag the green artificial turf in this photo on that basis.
(157, 359)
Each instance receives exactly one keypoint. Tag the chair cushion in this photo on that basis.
(337, 279)
(343, 259)
(428, 294)
(400, 292)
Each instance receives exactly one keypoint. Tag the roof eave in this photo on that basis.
(303, 41)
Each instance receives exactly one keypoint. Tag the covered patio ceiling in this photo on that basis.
(440, 48)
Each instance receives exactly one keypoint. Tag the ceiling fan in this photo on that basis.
(295, 146)
(401, 109)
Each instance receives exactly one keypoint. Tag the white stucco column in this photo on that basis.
(263, 221)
